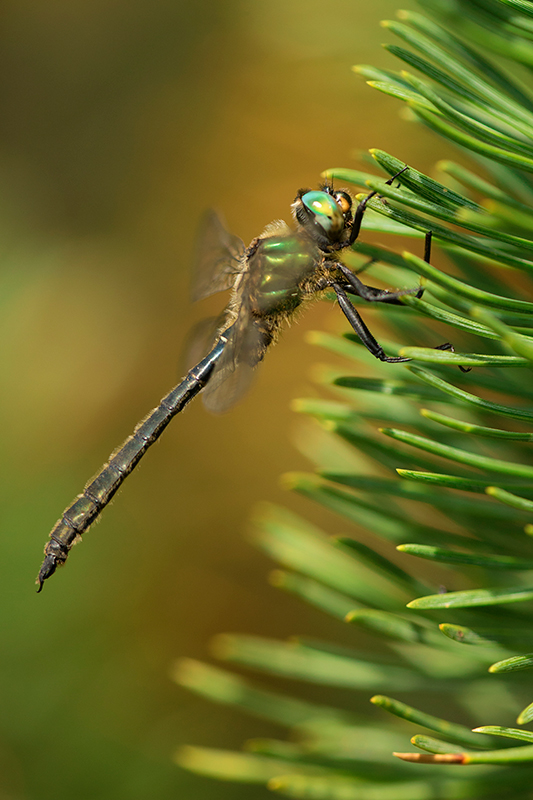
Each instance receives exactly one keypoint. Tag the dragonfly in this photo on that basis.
(280, 271)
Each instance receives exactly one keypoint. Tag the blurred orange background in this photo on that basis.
(120, 123)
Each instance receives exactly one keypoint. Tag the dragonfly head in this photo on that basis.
(325, 214)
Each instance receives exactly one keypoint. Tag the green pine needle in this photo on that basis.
(454, 489)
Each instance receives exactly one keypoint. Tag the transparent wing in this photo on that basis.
(234, 370)
(226, 387)
(199, 341)
(217, 257)
(248, 338)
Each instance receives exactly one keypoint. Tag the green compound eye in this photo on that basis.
(325, 211)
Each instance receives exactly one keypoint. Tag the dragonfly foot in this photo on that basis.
(448, 346)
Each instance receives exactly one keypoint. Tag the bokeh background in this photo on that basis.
(120, 122)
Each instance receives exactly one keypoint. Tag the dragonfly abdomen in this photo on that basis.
(82, 512)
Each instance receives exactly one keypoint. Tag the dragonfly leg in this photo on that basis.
(427, 247)
(354, 318)
(354, 285)
(451, 348)
(361, 208)
(370, 293)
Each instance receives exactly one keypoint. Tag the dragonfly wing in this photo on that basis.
(234, 370)
(222, 394)
(217, 259)
(199, 341)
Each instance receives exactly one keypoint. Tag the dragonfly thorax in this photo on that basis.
(279, 268)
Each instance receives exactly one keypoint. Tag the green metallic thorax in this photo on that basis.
(279, 268)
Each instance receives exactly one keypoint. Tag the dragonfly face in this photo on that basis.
(325, 215)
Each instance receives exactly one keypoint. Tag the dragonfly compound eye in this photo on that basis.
(325, 212)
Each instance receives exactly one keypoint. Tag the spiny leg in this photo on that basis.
(427, 247)
(370, 293)
(373, 290)
(361, 208)
(354, 318)
(427, 259)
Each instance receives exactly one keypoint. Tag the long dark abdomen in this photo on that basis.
(82, 512)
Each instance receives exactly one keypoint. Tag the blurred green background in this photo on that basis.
(120, 123)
